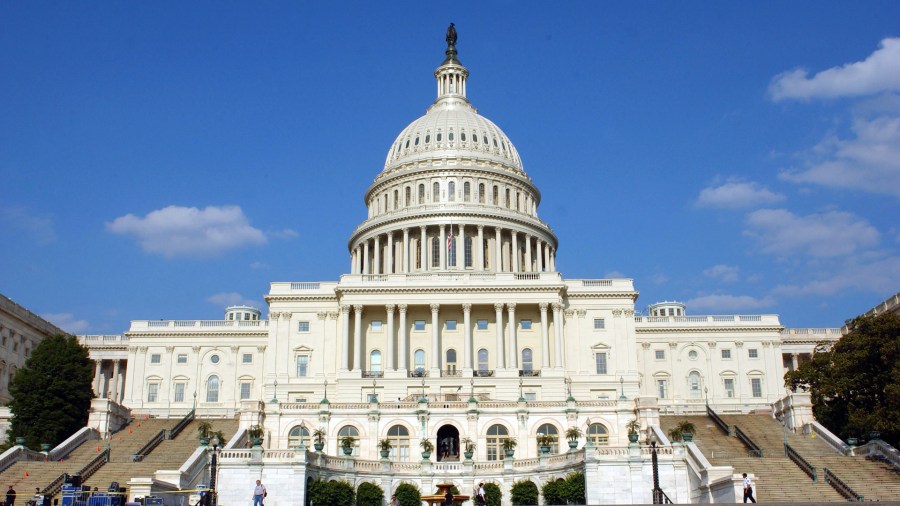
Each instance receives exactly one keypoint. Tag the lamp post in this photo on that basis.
(657, 492)
(275, 392)
(213, 470)
(108, 436)
(706, 395)
(374, 397)
(521, 395)
(622, 383)
(423, 398)
(325, 396)
(783, 420)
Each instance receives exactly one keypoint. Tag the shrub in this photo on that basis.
(574, 488)
(408, 495)
(524, 493)
(369, 494)
(553, 492)
(331, 493)
(492, 494)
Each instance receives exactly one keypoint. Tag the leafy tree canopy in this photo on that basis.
(524, 493)
(369, 494)
(331, 493)
(855, 384)
(408, 495)
(51, 394)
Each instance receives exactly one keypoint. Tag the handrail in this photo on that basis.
(841, 487)
(147, 448)
(755, 450)
(878, 449)
(188, 418)
(85, 472)
(660, 497)
(802, 463)
(718, 419)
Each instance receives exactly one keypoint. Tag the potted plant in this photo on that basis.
(469, 448)
(634, 428)
(572, 434)
(509, 447)
(427, 448)
(347, 443)
(687, 431)
(203, 429)
(385, 445)
(545, 441)
(319, 438)
(255, 433)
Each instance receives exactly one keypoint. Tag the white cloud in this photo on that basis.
(187, 231)
(286, 233)
(868, 161)
(878, 277)
(878, 73)
(225, 299)
(614, 275)
(722, 303)
(726, 273)
(67, 322)
(736, 195)
(39, 229)
(830, 234)
(259, 265)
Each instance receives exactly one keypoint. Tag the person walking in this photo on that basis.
(259, 493)
(394, 500)
(10, 496)
(748, 489)
(480, 498)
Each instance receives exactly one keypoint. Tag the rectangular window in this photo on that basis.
(247, 358)
(419, 325)
(302, 365)
(435, 252)
(482, 324)
(152, 392)
(756, 386)
(729, 387)
(181, 358)
(600, 359)
(660, 354)
(753, 353)
(376, 325)
(525, 324)
(451, 324)
(155, 358)
(530, 396)
(303, 326)
(661, 388)
(599, 323)
(467, 245)
(179, 392)
(726, 354)
(245, 390)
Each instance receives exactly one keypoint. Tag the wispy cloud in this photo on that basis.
(285, 233)
(878, 73)
(39, 229)
(829, 234)
(725, 273)
(67, 322)
(880, 276)
(722, 303)
(737, 195)
(187, 231)
(225, 299)
(259, 265)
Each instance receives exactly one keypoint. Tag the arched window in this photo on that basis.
(694, 384)
(518, 199)
(467, 191)
(527, 364)
(298, 436)
(212, 389)
(399, 438)
(451, 360)
(468, 247)
(496, 434)
(481, 193)
(396, 199)
(496, 196)
(435, 252)
(386, 207)
(507, 198)
(419, 360)
(435, 192)
(549, 429)
(349, 430)
(597, 435)
(375, 361)
(407, 196)
(421, 194)
(418, 254)
(482, 360)
(451, 191)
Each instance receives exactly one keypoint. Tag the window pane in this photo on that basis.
(303, 326)
(375, 361)
(212, 389)
(302, 365)
(482, 324)
(152, 392)
(599, 323)
(451, 324)
(756, 385)
(601, 363)
(179, 392)
(245, 391)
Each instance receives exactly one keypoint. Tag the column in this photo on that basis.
(435, 336)
(121, 383)
(795, 361)
(424, 250)
(403, 347)
(539, 247)
(552, 260)
(406, 263)
(357, 337)
(527, 253)
(376, 264)
(480, 256)
(353, 257)
(498, 267)
(461, 248)
(389, 262)
(442, 263)
(467, 336)
(498, 309)
(390, 338)
(345, 338)
(514, 253)
(115, 381)
(547, 257)
(545, 336)
(97, 365)
(513, 341)
(366, 257)
(558, 333)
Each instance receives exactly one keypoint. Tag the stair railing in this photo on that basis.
(841, 487)
(660, 497)
(147, 448)
(718, 419)
(754, 449)
(876, 449)
(188, 418)
(86, 472)
(802, 463)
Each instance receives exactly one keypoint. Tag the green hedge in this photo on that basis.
(492, 494)
(408, 495)
(369, 494)
(524, 493)
(331, 493)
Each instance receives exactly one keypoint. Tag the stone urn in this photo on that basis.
(318, 446)
(45, 447)
(204, 441)
(510, 452)
(426, 455)
(633, 437)
(573, 445)
(468, 455)
(687, 437)
(348, 450)
(545, 449)
(385, 453)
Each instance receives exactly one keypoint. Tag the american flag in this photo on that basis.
(450, 237)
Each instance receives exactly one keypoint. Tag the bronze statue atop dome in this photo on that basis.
(451, 36)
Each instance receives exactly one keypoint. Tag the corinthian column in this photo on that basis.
(406, 264)
(527, 253)
(515, 251)
(366, 257)
(513, 341)
(435, 337)
(545, 337)
(376, 264)
(423, 249)
(403, 346)
(357, 336)
(558, 330)
(390, 337)
(345, 337)
(467, 335)
(498, 247)
(539, 248)
(498, 309)
(480, 256)
(389, 258)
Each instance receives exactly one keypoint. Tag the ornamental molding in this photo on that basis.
(581, 312)
(718, 330)
(321, 315)
(332, 315)
(302, 349)
(646, 346)
(375, 290)
(602, 295)
(235, 350)
(209, 333)
(617, 312)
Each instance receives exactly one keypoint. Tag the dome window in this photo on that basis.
(495, 142)
(450, 136)
(439, 137)
(427, 139)
(416, 143)
(475, 138)
(485, 139)
(407, 143)
(462, 136)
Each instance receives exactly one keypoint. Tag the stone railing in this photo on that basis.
(17, 453)
(73, 441)
(461, 277)
(440, 402)
(881, 450)
(735, 320)
(802, 463)
(442, 207)
(193, 468)
(101, 340)
(827, 437)
(841, 487)
(194, 325)
(350, 464)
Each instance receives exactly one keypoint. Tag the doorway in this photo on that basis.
(447, 444)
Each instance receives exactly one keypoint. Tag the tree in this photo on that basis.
(408, 495)
(331, 493)
(524, 493)
(51, 394)
(855, 384)
(575, 488)
(369, 494)
(553, 492)
(492, 494)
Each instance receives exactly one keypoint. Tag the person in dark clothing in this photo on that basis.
(448, 498)
(10, 496)
(748, 489)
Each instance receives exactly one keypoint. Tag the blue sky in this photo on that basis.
(165, 159)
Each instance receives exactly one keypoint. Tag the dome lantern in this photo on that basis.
(451, 75)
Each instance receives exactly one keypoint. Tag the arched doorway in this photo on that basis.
(447, 444)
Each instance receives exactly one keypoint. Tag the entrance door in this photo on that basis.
(447, 444)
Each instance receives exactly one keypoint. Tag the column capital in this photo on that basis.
(498, 306)
(402, 308)
(511, 307)
(557, 306)
(481, 228)
(345, 309)
(435, 308)
(358, 308)
(467, 307)
(389, 308)
(543, 306)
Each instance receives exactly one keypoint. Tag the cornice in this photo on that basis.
(207, 333)
(704, 329)
(448, 289)
(602, 295)
(299, 297)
